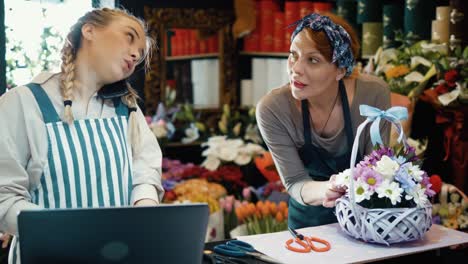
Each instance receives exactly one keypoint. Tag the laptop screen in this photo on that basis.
(162, 234)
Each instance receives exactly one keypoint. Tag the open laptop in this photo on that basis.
(162, 234)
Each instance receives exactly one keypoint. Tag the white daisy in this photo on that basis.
(390, 190)
(361, 191)
(418, 195)
(416, 172)
(342, 178)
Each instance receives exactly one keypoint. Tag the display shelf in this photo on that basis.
(265, 54)
(193, 57)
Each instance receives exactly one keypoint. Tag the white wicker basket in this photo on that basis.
(384, 226)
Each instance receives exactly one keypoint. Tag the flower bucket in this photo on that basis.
(215, 229)
(381, 225)
(240, 230)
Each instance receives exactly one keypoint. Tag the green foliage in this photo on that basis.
(411, 59)
(19, 58)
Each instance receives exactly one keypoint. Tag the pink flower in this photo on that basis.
(229, 202)
(246, 193)
(148, 120)
(372, 178)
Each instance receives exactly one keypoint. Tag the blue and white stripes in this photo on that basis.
(89, 165)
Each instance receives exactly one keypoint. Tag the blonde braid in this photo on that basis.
(67, 80)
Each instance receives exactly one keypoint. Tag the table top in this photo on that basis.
(346, 249)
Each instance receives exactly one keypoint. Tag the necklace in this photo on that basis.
(329, 115)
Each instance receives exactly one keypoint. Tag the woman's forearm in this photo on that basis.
(313, 192)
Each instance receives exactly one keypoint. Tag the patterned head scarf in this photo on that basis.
(337, 35)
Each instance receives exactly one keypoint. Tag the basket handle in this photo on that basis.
(393, 115)
(448, 189)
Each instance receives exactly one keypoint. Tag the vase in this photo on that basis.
(215, 228)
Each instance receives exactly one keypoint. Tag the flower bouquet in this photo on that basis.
(450, 89)
(202, 191)
(177, 124)
(387, 192)
(408, 68)
(263, 217)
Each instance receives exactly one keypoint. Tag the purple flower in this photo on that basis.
(376, 155)
(168, 163)
(427, 184)
(369, 176)
(168, 185)
(411, 151)
(385, 151)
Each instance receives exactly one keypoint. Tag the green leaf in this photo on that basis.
(465, 53)
(445, 64)
(458, 52)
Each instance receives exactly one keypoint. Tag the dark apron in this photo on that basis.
(320, 165)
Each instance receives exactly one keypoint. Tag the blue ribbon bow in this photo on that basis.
(394, 115)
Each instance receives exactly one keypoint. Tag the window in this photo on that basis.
(35, 31)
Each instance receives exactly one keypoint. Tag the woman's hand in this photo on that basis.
(5, 238)
(333, 192)
(146, 202)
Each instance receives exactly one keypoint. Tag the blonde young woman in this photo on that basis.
(77, 138)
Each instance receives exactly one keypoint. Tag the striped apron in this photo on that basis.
(88, 162)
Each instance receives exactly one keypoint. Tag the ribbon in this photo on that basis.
(394, 115)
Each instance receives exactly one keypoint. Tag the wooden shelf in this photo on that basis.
(193, 57)
(180, 144)
(265, 54)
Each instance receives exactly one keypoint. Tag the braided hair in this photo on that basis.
(100, 18)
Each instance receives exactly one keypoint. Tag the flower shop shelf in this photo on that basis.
(193, 57)
(265, 54)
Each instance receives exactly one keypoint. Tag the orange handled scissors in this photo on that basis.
(306, 243)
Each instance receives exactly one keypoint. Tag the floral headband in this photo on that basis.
(337, 35)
